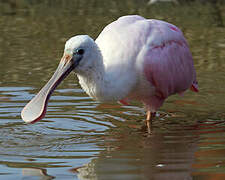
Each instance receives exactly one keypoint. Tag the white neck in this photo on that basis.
(105, 83)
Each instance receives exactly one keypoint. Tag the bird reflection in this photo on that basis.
(163, 155)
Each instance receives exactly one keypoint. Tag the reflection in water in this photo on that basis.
(170, 154)
(188, 139)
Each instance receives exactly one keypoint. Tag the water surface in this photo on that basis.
(82, 139)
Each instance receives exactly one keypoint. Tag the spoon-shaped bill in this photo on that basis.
(35, 110)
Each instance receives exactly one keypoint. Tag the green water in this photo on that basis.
(82, 139)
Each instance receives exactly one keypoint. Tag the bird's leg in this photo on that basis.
(149, 121)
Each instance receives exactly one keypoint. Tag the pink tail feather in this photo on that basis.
(194, 86)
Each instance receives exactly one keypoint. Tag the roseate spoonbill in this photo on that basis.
(133, 58)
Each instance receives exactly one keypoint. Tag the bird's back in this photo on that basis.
(122, 40)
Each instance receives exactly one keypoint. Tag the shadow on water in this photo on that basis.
(82, 139)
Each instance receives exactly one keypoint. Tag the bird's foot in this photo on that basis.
(150, 116)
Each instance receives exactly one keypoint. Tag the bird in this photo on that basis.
(132, 59)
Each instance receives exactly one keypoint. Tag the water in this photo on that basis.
(82, 139)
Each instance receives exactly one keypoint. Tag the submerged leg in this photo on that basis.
(149, 121)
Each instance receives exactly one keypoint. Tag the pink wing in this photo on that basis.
(168, 63)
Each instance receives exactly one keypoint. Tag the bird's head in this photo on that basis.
(79, 55)
(81, 51)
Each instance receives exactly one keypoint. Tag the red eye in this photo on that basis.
(80, 51)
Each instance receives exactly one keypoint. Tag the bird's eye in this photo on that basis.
(80, 51)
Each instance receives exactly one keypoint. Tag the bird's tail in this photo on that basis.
(194, 86)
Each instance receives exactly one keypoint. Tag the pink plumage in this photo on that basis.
(168, 66)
